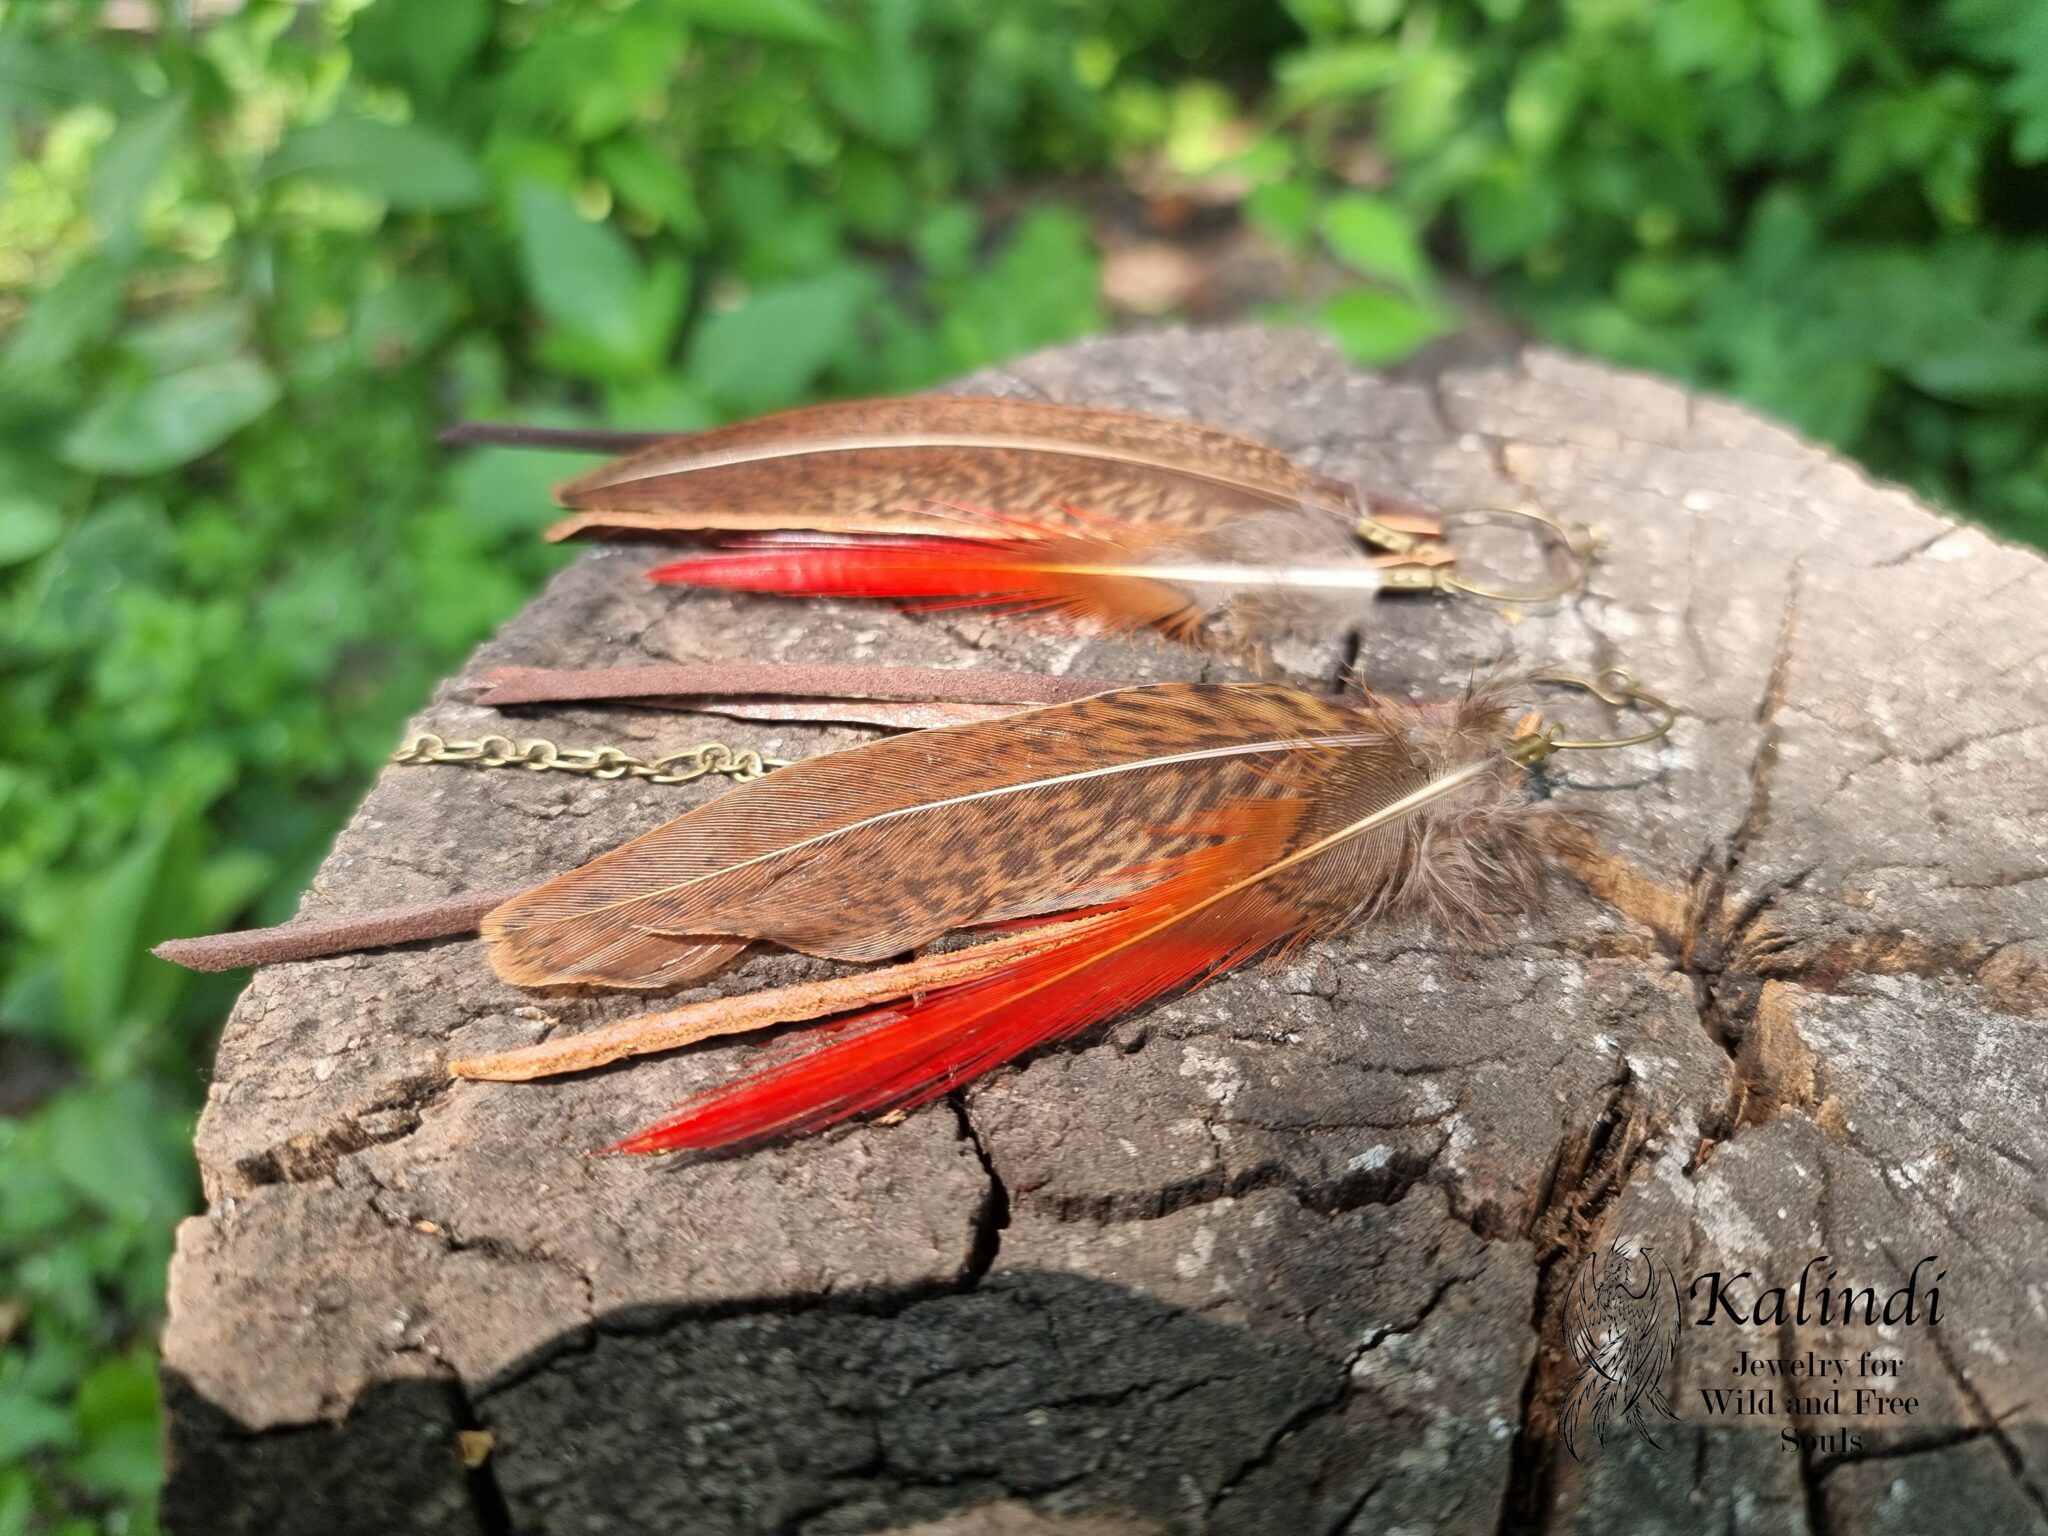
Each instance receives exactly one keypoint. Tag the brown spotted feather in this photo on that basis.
(891, 466)
(867, 853)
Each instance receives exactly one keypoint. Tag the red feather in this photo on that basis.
(1029, 572)
(903, 1055)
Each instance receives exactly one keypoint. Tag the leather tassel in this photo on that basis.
(901, 698)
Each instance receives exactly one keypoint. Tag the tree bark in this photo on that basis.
(1291, 1254)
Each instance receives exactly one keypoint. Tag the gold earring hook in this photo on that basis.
(1576, 540)
(1614, 686)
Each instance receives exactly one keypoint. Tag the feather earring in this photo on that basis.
(1212, 538)
(1173, 832)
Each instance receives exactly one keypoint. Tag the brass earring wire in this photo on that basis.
(1614, 686)
(1428, 567)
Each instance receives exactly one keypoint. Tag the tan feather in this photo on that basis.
(687, 1025)
(887, 466)
(869, 852)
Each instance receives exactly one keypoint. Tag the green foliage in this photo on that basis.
(246, 271)
(1838, 212)
(244, 274)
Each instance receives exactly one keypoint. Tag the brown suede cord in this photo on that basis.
(730, 680)
(308, 938)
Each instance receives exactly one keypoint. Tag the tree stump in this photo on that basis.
(1292, 1254)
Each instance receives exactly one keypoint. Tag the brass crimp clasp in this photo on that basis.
(1577, 542)
(1401, 533)
(1615, 686)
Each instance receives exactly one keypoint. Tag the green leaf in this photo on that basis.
(143, 427)
(665, 402)
(501, 492)
(1720, 37)
(1285, 210)
(409, 166)
(53, 76)
(116, 1409)
(1326, 74)
(1509, 211)
(766, 350)
(653, 183)
(1042, 288)
(1993, 369)
(29, 1424)
(1805, 54)
(128, 168)
(1376, 327)
(781, 21)
(27, 528)
(425, 44)
(1372, 236)
(98, 967)
(587, 279)
(119, 1148)
(403, 319)
(78, 311)
(944, 241)
(888, 88)
(1543, 100)
(186, 338)
(1426, 104)
(877, 196)
(17, 1496)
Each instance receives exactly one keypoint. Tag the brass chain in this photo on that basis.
(692, 763)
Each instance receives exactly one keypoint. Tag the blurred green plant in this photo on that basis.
(245, 271)
(1837, 212)
(247, 268)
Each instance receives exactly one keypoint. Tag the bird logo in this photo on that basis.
(1621, 1325)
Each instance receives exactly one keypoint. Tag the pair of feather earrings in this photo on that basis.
(1108, 850)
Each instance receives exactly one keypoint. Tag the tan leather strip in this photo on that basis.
(676, 1027)
(309, 938)
(727, 680)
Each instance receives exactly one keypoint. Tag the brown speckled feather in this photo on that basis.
(863, 854)
(867, 853)
(888, 466)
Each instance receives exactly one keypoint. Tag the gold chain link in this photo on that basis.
(701, 761)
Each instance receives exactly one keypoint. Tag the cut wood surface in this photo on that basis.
(1289, 1255)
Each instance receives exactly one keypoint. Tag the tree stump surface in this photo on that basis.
(1291, 1254)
